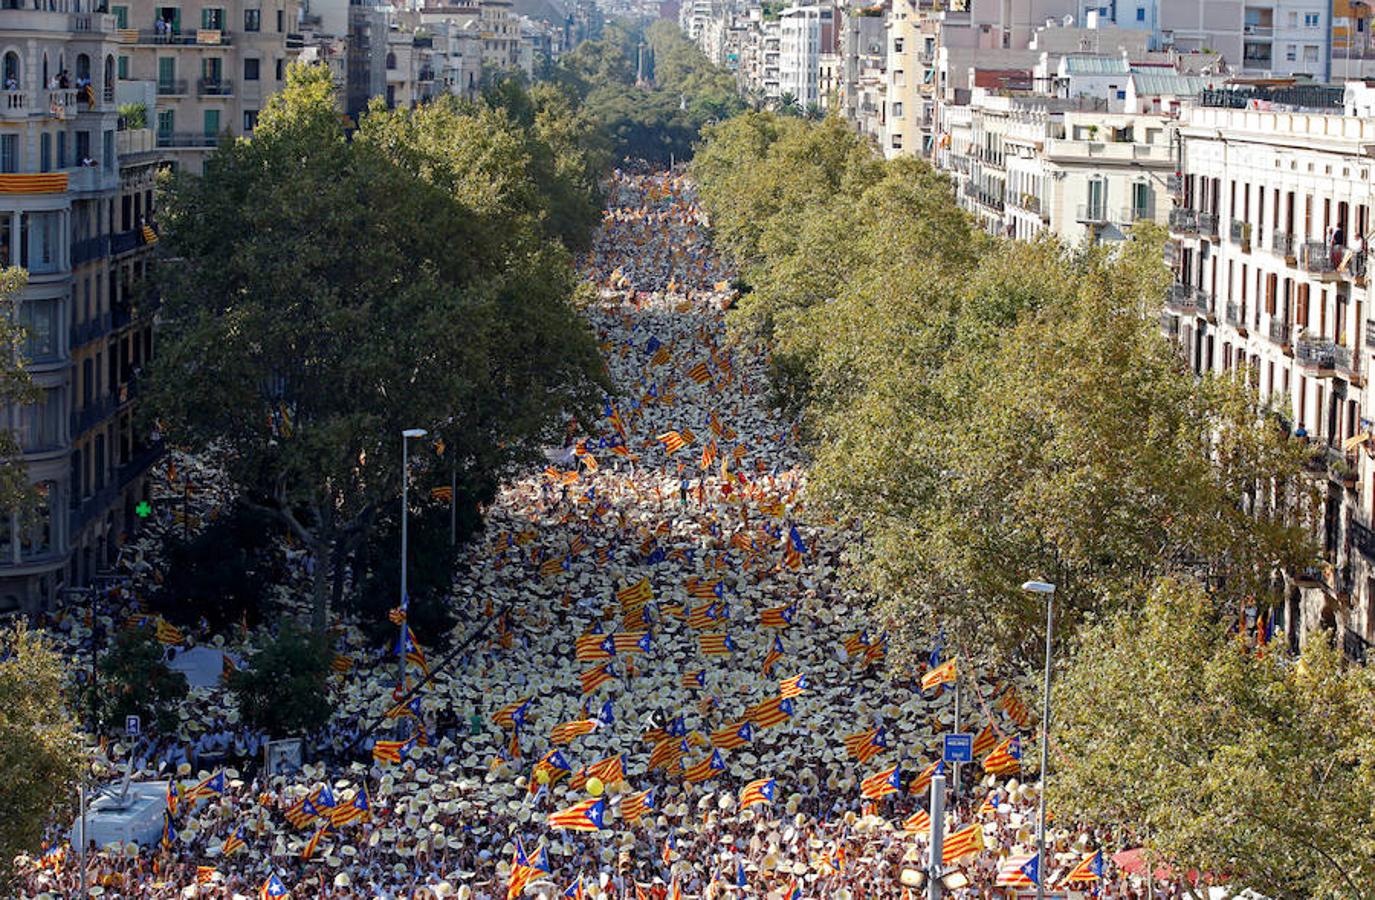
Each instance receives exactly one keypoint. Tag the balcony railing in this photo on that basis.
(1181, 297)
(1280, 332)
(1174, 184)
(174, 87)
(1240, 233)
(1282, 244)
(187, 139)
(1316, 354)
(1362, 538)
(1356, 648)
(214, 87)
(1315, 258)
(91, 329)
(125, 241)
(1184, 221)
(1345, 360)
(1235, 317)
(1203, 302)
(1130, 215)
(1207, 224)
(205, 37)
(1169, 324)
(90, 248)
(1092, 214)
(93, 413)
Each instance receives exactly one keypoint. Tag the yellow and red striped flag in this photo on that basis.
(922, 782)
(700, 373)
(506, 716)
(673, 441)
(667, 753)
(608, 771)
(881, 783)
(596, 676)
(965, 842)
(792, 687)
(770, 712)
(583, 816)
(634, 806)
(917, 823)
(205, 874)
(985, 740)
(733, 736)
(756, 792)
(565, 732)
(704, 769)
(1006, 758)
(716, 644)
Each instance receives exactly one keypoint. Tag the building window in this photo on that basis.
(124, 68)
(281, 19)
(121, 16)
(211, 121)
(39, 423)
(1310, 53)
(1291, 52)
(250, 120)
(166, 123)
(252, 20)
(897, 110)
(897, 45)
(45, 152)
(40, 320)
(1140, 14)
(897, 141)
(280, 67)
(1311, 20)
(212, 18)
(391, 61)
(250, 69)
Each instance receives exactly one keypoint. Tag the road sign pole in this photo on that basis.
(955, 775)
(934, 887)
(81, 798)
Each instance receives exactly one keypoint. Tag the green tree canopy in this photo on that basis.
(988, 411)
(282, 686)
(41, 754)
(1253, 769)
(134, 680)
(328, 294)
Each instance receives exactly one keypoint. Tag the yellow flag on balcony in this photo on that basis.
(149, 235)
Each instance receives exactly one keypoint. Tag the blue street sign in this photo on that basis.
(959, 748)
(131, 726)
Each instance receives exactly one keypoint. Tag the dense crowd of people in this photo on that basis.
(675, 646)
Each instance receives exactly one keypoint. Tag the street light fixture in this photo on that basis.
(407, 436)
(1047, 590)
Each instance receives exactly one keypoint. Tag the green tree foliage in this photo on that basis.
(16, 389)
(134, 680)
(988, 411)
(329, 294)
(222, 573)
(41, 755)
(1251, 768)
(282, 687)
(657, 120)
(430, 573)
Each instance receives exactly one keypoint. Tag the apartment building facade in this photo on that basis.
(67, 215)
(214, 64)
(1270, 252)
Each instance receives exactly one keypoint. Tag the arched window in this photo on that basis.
(11, 72)
(391, 61)
(83, 66)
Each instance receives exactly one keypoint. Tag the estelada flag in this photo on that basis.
(596, 676)
(565, 732)
(512, 714)
(636, 805)
(592, 647)
(667, 753)
(716, 644)
(1006, 758)
(777, 617)
(759, 791)
(792, 687)
(923, 780)
(1020, 871)
(1090, 868)
(704, 769)
(985, 740)
(583, 816)
(608, 771)
(732, 736)
(881, 784)
(962, 843)
(770, 712)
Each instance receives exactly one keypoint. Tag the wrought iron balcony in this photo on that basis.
(1169, 324)
(214, 87)
(1092, 214)
(1315, 259)
(1282, 244)
(1235, 317)
(172, 87)
(1280, 332)
(1317, 355)
(1241, 234)
(1181, 298)
(1203, 302)
(1184, 221)
(1207, 224)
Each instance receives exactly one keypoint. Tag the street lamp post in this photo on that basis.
(1048, 590)
(935, 870)
(406, 437)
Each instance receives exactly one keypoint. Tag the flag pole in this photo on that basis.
(955, 775)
